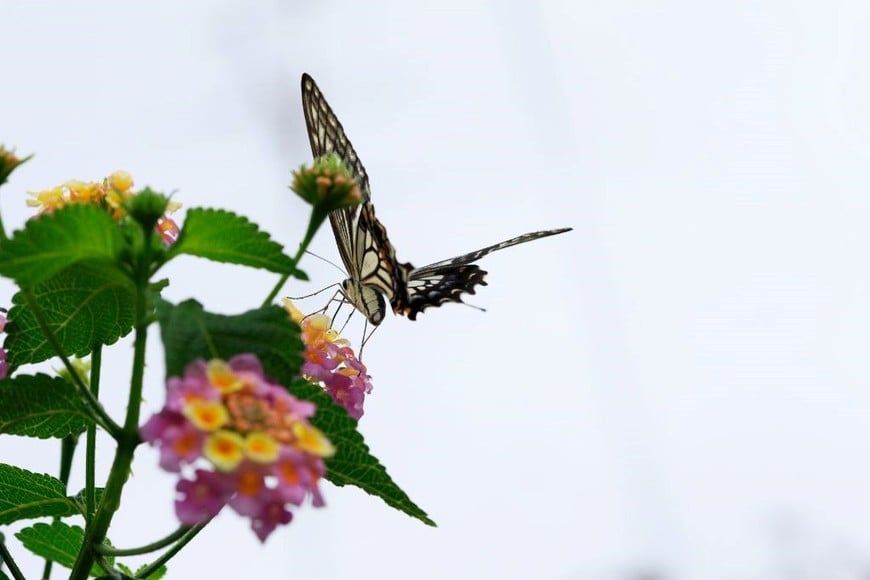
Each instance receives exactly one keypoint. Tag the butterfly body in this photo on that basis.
(375, 275)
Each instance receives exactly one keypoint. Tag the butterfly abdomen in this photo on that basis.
(366, 299)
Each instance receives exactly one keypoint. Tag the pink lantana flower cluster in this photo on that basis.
(111, 193)
(247, 441)
(330, 360)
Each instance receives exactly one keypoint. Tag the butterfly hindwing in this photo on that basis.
(448, 280)
(438, 285)
(380, 267)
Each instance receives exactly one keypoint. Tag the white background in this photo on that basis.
(677, 389)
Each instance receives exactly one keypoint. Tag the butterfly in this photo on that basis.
(375, 275)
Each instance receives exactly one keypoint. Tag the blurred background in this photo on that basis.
(675, 390)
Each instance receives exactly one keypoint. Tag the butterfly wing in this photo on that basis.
(373, 269)
(326, 135)
(447, 280)
(368, 255)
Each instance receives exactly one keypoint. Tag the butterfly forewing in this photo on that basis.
(478, 254)
(326, 134)
(362, 240)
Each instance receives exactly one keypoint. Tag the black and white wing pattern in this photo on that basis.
(447, 280)
(375, 275)
(370, 259)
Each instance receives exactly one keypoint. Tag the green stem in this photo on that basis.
(104, 564)
(186, 538)
(67, 452)
(147, 548)
(317, 219)
(7, 559)
(100, 415)
(275, 290)
(109, 504)
(91, 442)
(128, 438)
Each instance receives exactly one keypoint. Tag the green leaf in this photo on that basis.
(128, 572)
(353, 463)
(53, 242)
(223, 236)
(25, 495)
(85, 305)
(155, 575)
(58, 542)
(81, 501)
(41, 406)
(189, 333)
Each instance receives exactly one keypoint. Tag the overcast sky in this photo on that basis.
(676, 389)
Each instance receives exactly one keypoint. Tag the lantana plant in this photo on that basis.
(260, 407)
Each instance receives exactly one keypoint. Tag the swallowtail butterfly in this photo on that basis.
(374, 273)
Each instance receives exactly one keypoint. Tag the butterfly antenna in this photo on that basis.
(330, 262)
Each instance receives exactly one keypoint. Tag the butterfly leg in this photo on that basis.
(366, 338)
(343, 326)
(341, 302)
(316, 293)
